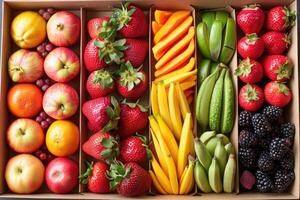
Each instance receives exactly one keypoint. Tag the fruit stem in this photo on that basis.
(59, 27)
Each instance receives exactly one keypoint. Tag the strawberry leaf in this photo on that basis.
(104, 78)
(123, 15)
(117, 173)
(244, 68)
(84, 177)
(251, 38)
(251, 93)
(130, 76)
(114, 114)
(284, 71)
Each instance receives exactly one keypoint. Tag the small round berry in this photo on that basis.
(40, 82)
(39, 119)
(40, 48)
(51, 11)
(41, 11)
(44, 124)
(43, 156)
(44, 54)
(43, 115)
(47, 81)
(38, 153)
(49, 47)
(46, 16)
(45, 87)
(49, 120)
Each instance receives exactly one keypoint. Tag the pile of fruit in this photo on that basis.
(42, 101)
(114, 57)
(172, 92)
(266, 137)
(215, 168)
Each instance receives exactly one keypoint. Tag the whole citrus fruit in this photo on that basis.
(28, 29)
(62, 138)
(24, 100)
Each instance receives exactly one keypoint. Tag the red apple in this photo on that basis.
(25, 66)
(62, 175)
(62, 64)
(24, 174)
(25, 135)
(63, 29)
(60, 101)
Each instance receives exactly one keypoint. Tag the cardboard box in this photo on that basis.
(86, 9)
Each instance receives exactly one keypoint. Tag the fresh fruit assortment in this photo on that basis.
(44, 135)
(114, 57)
(172, 92)
(41, 101)
(265, 136)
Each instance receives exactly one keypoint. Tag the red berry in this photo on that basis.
(39, 119)
(49, 120)
(251, 97)
(250, 46)
(47, 81)
(41, 11)
(43, 156)
(249, 71)
(50, 157)
(40, 48)
(40, 82)
(44, 148)
(44, 124)
(38, 153)
(44, 54)
(46, 16)
(45, 87)
(43, 115)
(277, 94)
(49, 47)
(51, 11)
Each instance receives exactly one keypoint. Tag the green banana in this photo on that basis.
(227, 118)
(208, 18)
(229, 149)
(214, 176)
(229, 174)
(203, 39)
(216, 104)
(207, 135)
(224, 138)
(211, 145)
(202, 153)
(203, 69)
(203, 99)
(200, 177)
(215, 40)
(221, 155)
(213, 67)
(222, 16)
(228, 48)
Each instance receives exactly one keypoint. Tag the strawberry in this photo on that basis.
(102, 113)
(251, 97)
(250, 46)
(131, 21)
(280, 18)
(100, 83)
(135, 149)
(277, 67)
(101, 146)
(249, 71)
(133, 50)
(133, 118)
(275, 42)
(95, 177)
(91, 56)
(132, 82)
(277, 94)
(94, 26)
(136, 51)
(129, 179)
(251, 19)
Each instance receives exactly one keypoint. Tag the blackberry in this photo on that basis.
(264, 182)
(279, 147)
(273, 113)
(265, 162)
(245, 118)
(287, 130)
(261, 125)
(247, 157)
(275, 131)
(247, 138)
(283, 180)
(288, 161)
(264, 142)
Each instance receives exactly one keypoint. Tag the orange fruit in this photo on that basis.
(62, 138)
(24, 100)
(28, 29)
